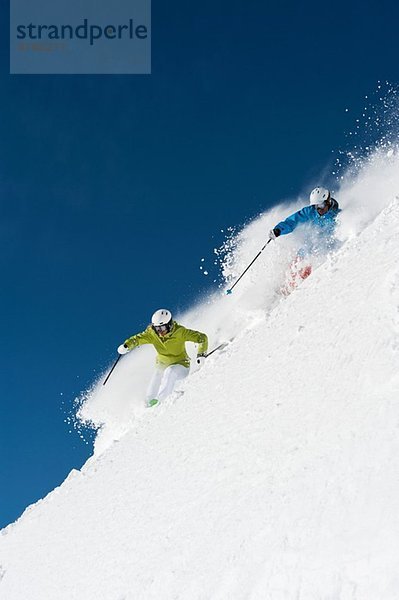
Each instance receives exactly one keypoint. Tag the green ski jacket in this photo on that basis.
(171, 349)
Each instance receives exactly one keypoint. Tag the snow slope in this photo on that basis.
(364, 191)
(275, 476)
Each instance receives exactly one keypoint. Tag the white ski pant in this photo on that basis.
(164, 380)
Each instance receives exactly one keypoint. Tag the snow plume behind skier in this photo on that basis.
(115, 408)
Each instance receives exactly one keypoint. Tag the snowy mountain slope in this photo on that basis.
(363, 194)
(274, 477)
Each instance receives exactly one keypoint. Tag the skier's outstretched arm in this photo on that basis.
(291, 222)
(190, 335)
(135, 340)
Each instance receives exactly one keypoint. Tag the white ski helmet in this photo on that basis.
(162, 320)
(319, 195)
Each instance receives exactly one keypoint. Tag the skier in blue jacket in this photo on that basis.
(321, 217)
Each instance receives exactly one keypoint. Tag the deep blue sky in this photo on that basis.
(112, 188)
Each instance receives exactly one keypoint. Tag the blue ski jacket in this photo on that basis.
(321, 230)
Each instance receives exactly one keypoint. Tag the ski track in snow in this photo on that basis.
(274, 477)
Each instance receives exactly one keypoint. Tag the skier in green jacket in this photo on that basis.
(172, 362)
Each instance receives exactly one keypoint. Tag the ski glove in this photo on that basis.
(274, 233)
(123, 349)
(200, 360)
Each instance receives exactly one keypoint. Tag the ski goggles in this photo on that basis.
(163, 328)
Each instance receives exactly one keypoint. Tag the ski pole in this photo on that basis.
(113, 367)
(250, 265)
(222, 345)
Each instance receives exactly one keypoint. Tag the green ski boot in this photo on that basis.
(152, 402)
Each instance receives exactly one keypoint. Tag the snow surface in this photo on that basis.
(275, 475)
